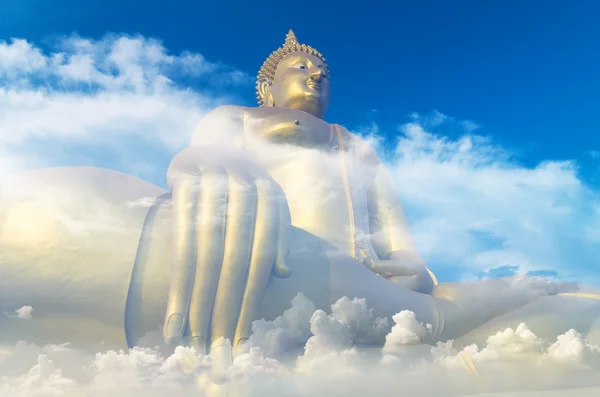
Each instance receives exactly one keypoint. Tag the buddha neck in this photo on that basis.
(287, 126)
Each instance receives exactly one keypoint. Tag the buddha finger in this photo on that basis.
(185, 196)
(280, 269)
(400, 263)
(392, 268)
(241, 215)
(422, 282)
(212, 215)
(263, 257)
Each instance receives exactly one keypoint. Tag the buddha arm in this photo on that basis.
(387, 222)
(390, 233)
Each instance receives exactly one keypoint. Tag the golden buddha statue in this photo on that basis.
(266, 203)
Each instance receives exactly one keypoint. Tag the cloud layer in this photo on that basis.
(334, 358)
(117, 102)
(476, 211)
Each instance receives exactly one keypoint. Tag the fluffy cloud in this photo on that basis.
(63, 371)
(407, 331)
(116, 102)
(331, 348)
(22, 313)
(572, 349)
(288, 332)
(476, 209)
(336, 359)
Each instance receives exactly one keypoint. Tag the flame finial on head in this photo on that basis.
(290, 38)
(267, 71)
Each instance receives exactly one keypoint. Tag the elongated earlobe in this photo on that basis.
(263, 91)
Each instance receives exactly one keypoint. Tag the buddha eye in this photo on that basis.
(301, 67)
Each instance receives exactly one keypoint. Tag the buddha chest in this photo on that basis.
(321, 172)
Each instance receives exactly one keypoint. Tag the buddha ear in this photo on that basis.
(264, 90)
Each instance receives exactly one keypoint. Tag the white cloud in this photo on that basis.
(407, 331)
(571, 348)
(98, 102)
(43, 379)
(317, 338)
(332, 362)
(288, 332)
(516, 359)
(475, 208)
(20, 57)
(62, 371)
(24, 312)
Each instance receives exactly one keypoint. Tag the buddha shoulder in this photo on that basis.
(286, 126)
(223, 125)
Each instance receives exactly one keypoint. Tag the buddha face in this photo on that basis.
(301, 82)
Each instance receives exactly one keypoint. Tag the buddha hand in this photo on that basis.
(406, 268)
(230, 224)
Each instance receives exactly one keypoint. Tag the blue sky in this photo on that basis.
(525, 72)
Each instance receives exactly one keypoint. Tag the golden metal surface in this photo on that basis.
(294, 76)
(270, 66)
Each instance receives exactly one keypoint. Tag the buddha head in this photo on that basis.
(294, 77)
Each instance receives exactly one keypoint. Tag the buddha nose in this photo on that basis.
(317, 76)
